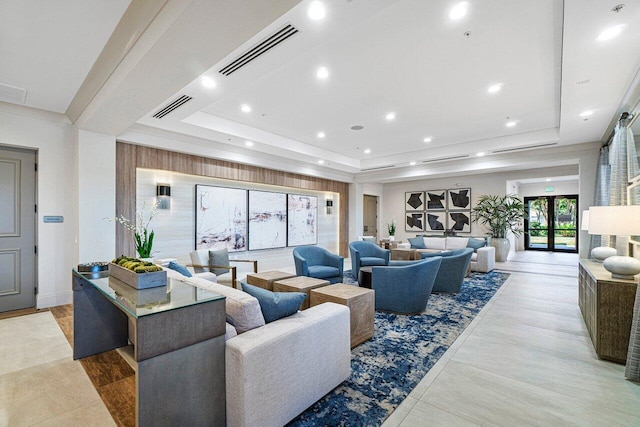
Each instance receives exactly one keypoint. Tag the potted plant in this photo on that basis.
(143, 238)
(391, 228)
(500, 214)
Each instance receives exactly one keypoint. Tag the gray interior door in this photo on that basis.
(17, 229)
(370, 219)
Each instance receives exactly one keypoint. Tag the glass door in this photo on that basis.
(551, 223)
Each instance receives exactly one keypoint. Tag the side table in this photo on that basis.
(361, 303)
(401, 254)
(265, 279)
(302, 284)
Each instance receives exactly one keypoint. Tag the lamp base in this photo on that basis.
(601, 253)
(622, 267)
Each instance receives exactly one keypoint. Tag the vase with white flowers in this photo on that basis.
(142, 236)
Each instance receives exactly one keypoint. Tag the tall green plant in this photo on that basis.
(500, 214)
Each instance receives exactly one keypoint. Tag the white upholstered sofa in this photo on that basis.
(483, 259)
(275, 371)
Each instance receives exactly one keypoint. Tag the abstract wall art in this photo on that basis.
(414, 201)
(414, 221)
(436, 221)
(267, 220)
(436, 199)
(221, 218)
(302, 213)
(460, 221)
(459, 199)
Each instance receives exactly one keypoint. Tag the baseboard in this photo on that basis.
(52, 300)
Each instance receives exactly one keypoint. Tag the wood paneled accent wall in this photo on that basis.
(129, 157)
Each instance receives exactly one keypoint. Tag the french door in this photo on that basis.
(551, 223)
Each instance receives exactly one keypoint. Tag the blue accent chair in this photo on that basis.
(406, 288)
(452, 270)
(314, 261)
(364, 254)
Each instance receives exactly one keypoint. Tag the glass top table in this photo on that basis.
(144, 302)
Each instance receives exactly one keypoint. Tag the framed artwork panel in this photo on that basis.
(302, 220)
(436, 200)
(460, 221)
(267, 220)
(221, 218)
(414, 221)
(435, 221)
(459, 199)
(414, 201)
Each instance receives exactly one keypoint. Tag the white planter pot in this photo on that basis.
(392, 238)
(502, 246)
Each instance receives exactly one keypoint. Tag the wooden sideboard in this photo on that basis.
(607, 308)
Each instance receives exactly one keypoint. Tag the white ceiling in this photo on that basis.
(404, 56)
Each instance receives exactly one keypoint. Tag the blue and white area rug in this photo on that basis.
(386, 368)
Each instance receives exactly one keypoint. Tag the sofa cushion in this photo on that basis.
(230, 331)
(275, 305)
(454, 243)
(219, 257)
(474, 257)
(435, 243)
(323, 271)
(180, 269)
(476, 243)
(371, 260)
(243, 310)
(417, 242)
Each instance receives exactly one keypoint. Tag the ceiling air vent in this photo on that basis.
(264, 46)
(172, 106)
(15, 95)
(526, 147)
(442, 159)
(378, 168)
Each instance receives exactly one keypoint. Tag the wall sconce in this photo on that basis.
(163, 192)
(329, 206)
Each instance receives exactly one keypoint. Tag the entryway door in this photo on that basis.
(551, 223)
(370, 216)
(17, 229)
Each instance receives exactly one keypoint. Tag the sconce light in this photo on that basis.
(163, 192)
(329, 206)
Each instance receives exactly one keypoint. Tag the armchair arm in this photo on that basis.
(255, 263)
(302, 267)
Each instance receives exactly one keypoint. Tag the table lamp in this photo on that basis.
(600, 253)
(619, 221)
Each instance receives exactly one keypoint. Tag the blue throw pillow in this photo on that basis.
(417, 242)
(180, 269)
(275, 305)
(476, 244)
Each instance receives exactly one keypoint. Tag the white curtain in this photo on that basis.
(602, 191)
(632, 369)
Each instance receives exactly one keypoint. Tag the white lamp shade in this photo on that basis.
(585, 221)
(614, 220)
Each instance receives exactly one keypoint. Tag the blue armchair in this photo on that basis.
(406, 288)
(314, 261)
(365, 254)
(452, 270)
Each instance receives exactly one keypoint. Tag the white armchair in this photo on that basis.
(484, 259)
(200, 264)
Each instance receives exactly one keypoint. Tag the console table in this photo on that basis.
(177, 333)
(607, 308)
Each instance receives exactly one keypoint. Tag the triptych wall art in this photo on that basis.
(438, 210)
(243, 220)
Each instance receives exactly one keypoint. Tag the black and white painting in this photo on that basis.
(221, 218)
(267, 220)
(414, 201)
(460, 221)
(436, 199)
(436, 221)
(460, 199)
(414, 221)
(302, 217)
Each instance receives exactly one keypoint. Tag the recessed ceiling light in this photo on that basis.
(316, 10)
(586, 113)
(495, 88)
(367, 151)
(428, 139)
(245, 108)
(511, 124)
(322, 73)
(459, 11)
(610, 33)
(321, 162)
(356, 127)
(248, 143)
(208, 82)
(548, 179)
(321, 135)
(480, 154)
(390, 116)
(412, 163)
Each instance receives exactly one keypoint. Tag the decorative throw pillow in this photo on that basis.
(476, 243)
(417, 242)
(275, 305)
(179, 268)
(219, 257)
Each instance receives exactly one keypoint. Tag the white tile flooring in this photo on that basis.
(525, 360)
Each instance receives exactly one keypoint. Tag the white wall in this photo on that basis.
(51, 135)
(174, 228)
(560, 188)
